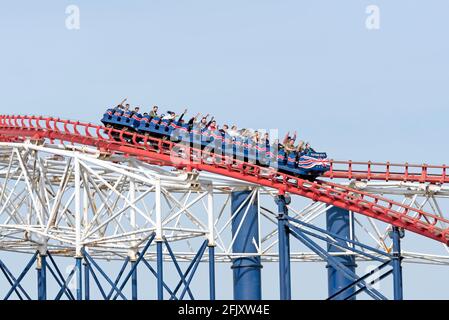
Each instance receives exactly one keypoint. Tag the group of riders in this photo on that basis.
(204, 125)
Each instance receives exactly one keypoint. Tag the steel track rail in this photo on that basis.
(166, 153)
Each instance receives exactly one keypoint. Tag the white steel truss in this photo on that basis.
(65, 198)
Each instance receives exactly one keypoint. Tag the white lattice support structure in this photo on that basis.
(65, 198)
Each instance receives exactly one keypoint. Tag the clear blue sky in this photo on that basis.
(308, 65)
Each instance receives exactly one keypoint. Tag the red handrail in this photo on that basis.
(387, 171)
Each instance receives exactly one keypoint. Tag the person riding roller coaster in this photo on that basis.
(119, 109)
(251, 146)
(205, 126)
(153, 112)
(171, 116)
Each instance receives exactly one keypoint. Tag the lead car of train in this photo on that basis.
(308, 165)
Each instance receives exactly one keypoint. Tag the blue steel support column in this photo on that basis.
(284, 249)
(338, 221)
(212, 272)
(246, 270)
(396, 236)
(79, 278)
(160, 276)
(134, 281)
(86, 281)
(42, 278)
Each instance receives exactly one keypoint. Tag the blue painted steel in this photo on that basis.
(166, 287)
(338, 221)
(86, 281)
(134, 282)
(79, 278)
(94, 264)
(189, 269)
(363, 278)
(396, 262)
(344, 243)
(246, 270)
(140, 258)
(347, 272)
(21, 276)
(63, 289)
(122, 270)
(178, 268)
(97, 282)
(42, 279)
(11, 280)
(284, 250)
(160, 271)
(374, 281)
(212, 273)
(58, 276)
(195, 266)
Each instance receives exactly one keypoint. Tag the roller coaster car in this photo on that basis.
(308, 165)
(120, 122)
(162, 128)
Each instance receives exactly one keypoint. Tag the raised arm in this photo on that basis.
(210, 121)
(285, 138)
(300, 146)
(123, 101)
(193, 119)
(182, 115)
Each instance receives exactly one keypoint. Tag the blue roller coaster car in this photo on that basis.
(308, 164)
(305, 164)
(118, 119)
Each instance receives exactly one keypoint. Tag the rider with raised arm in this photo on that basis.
(193, 122)
(205, 122)
(118, 110)
(169, 116)
(212, 125)
(287, 138)
(233, 132)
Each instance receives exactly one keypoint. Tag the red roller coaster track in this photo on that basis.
(161, 152)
